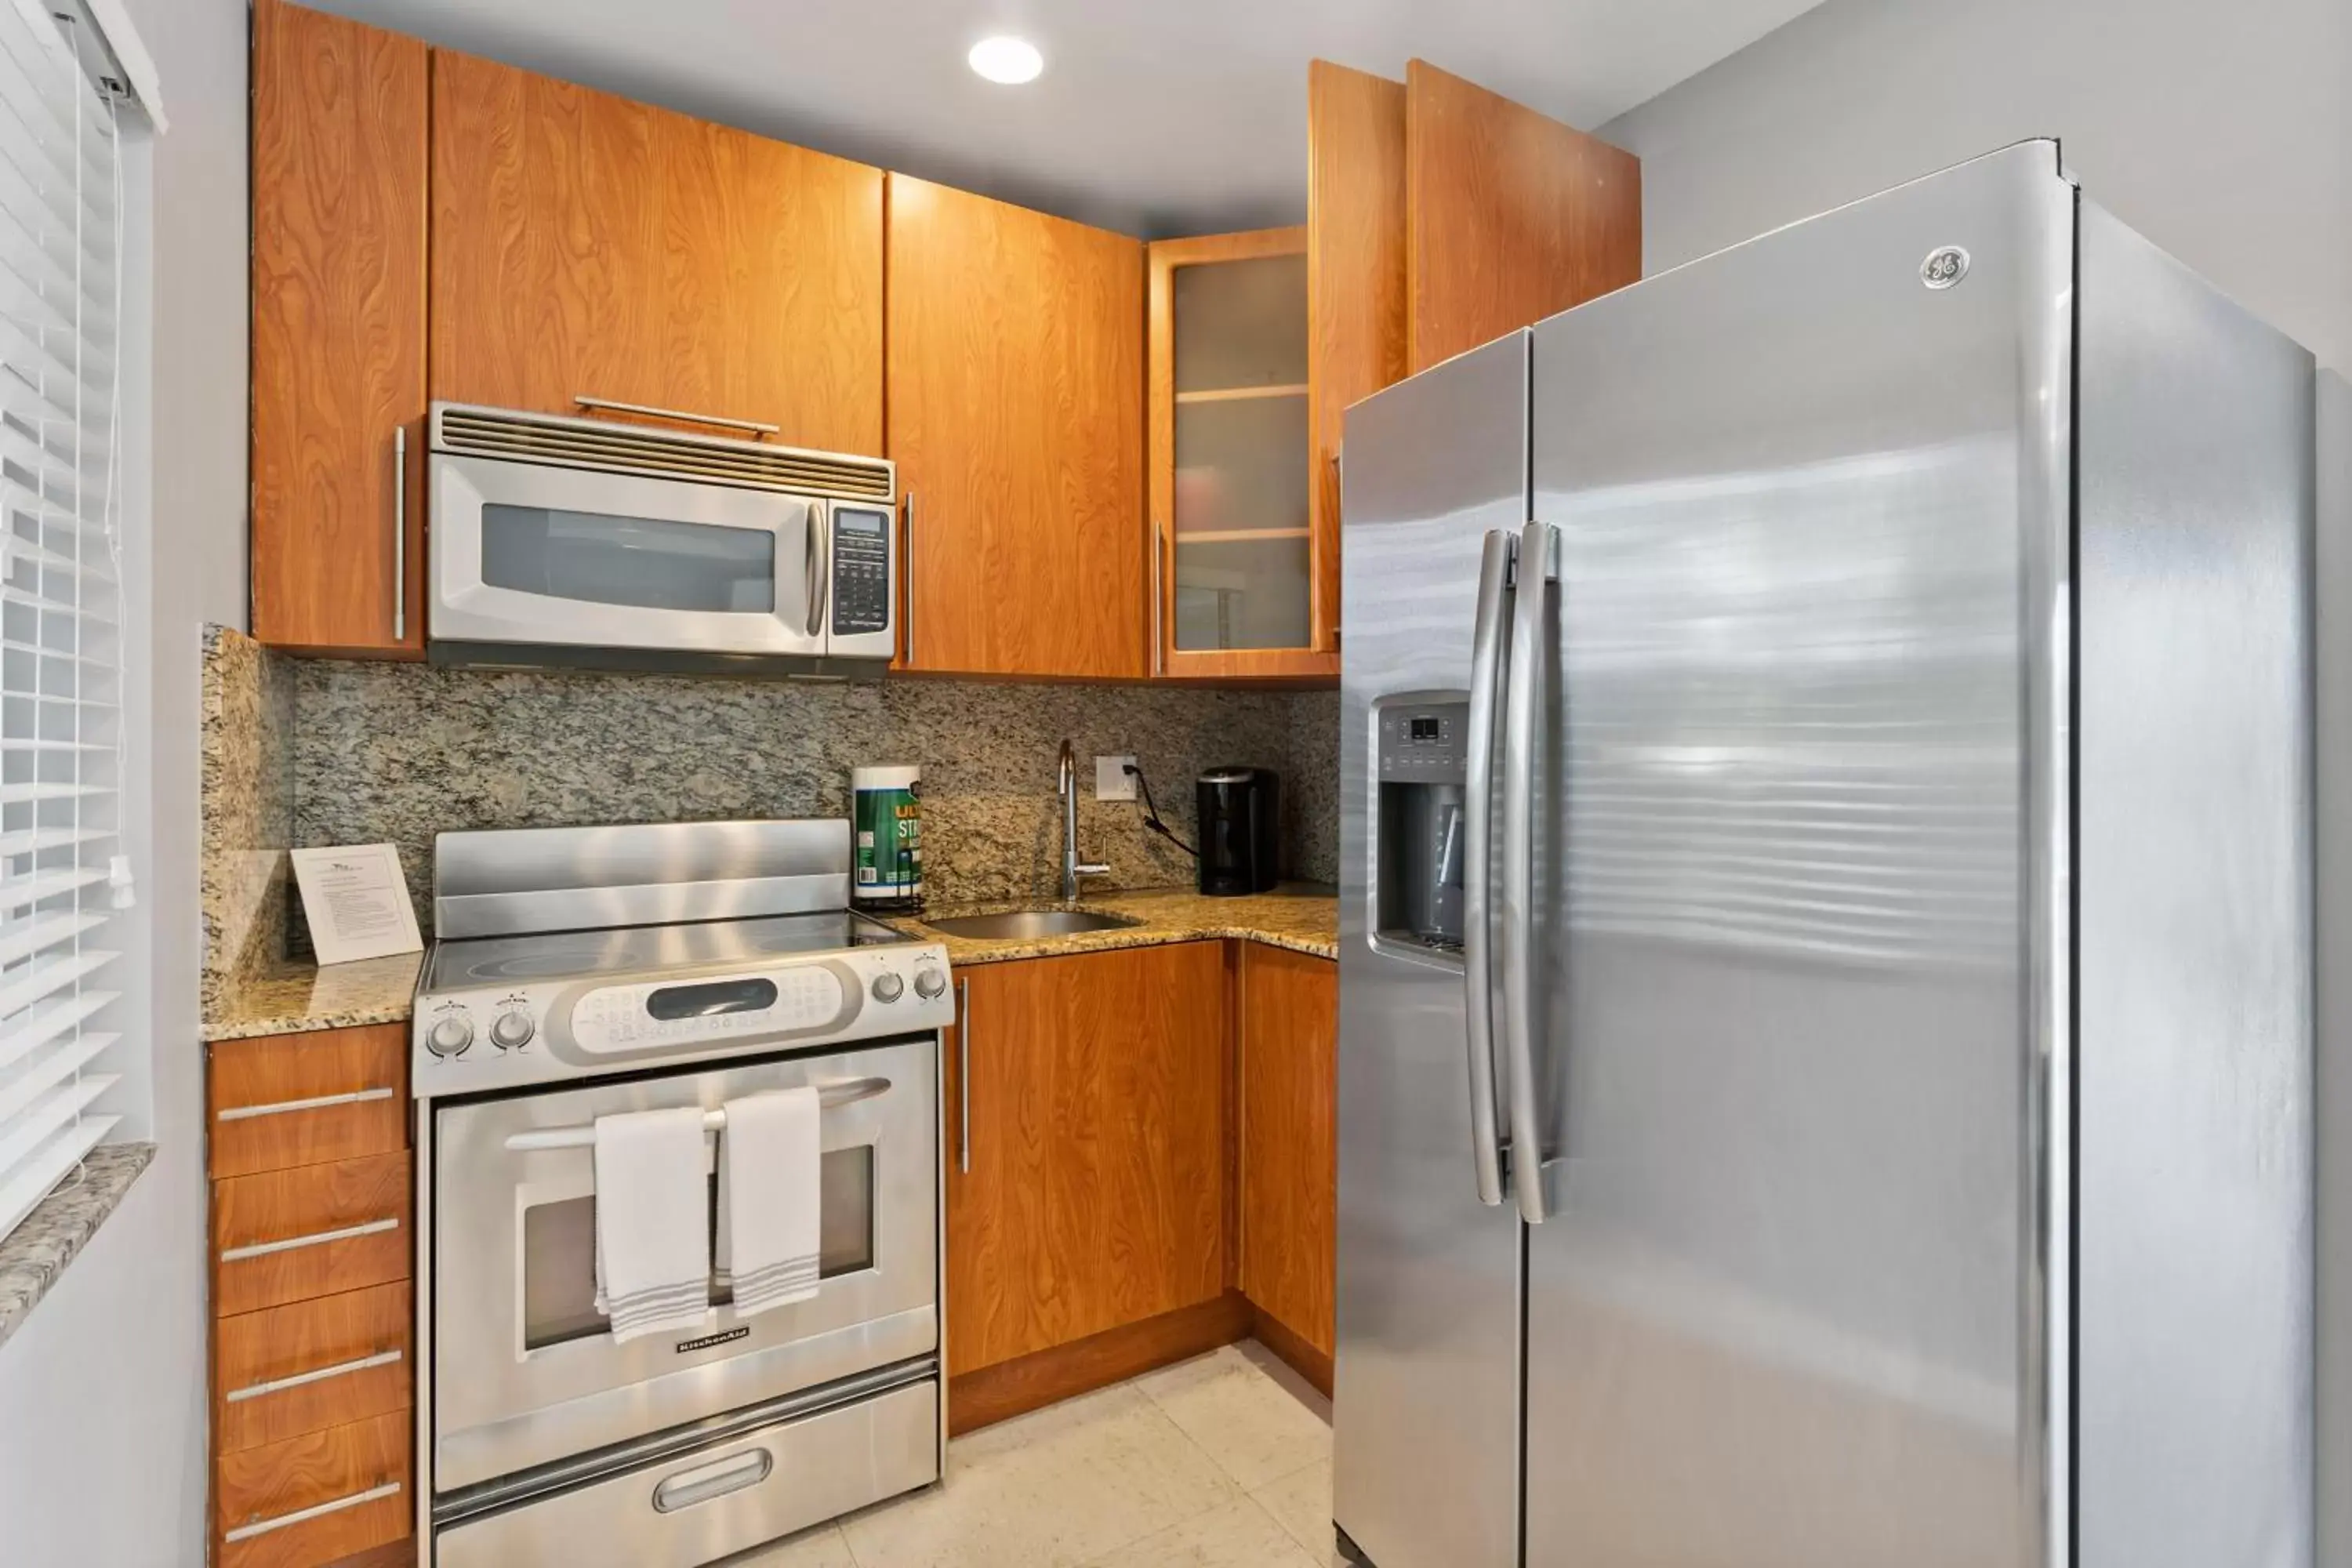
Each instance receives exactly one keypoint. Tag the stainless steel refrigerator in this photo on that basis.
(1825, 1027)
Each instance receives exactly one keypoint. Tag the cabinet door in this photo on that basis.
(1513, 217)
(1235, 557)
(584, 245)
(1355, 282)
(1086, 1189)
(1290, 1062)
(338, 162)
(1016, 419)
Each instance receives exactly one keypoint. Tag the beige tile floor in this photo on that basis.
(1224, 1461)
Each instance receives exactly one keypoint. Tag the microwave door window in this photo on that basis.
(654, 563)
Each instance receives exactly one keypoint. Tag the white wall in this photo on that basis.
(102, 1393)
(2223, 133)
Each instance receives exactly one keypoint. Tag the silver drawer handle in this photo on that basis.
(316, 1239)
(829, 1096)
(317, 1374)
(716, 1479)
(606, 405)
(304, 1516)
(281, 1107)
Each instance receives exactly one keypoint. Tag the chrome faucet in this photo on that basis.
(1072, 868)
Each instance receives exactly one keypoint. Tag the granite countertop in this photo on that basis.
(294, 997)
(1302, 917)
(34, 1254)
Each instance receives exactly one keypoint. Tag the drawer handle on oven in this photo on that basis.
(316, 1239)
(356, 1097)
(716, 1479)
(830, 1096)
(316, 1375)
(304, 1516)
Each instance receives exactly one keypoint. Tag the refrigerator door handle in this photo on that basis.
(1489, 668)
(1525, 706)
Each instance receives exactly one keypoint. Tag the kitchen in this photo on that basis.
(945, 718)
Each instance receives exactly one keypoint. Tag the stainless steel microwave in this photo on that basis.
(586, 542)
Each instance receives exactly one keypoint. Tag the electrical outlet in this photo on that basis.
(1112, 781)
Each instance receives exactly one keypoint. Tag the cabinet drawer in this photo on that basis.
(314, 1498)
(289, 1236)
(311, 1365)
(302, 1100)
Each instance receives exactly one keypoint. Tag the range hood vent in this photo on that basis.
(609, 448)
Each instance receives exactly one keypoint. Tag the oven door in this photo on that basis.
(524, 1368)
(523, 553)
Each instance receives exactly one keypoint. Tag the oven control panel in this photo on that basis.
(861, 570)
(499, 1036)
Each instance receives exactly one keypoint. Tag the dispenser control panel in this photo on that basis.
(1424, 744)
(1421, 758)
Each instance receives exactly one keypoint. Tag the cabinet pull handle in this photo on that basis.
(815, 564)
(316, 1239)
(608, 405)
(963, 1073)
(321, 1103)
(304, 1516)
(400, 533)
(907, 573)
(1159, 590)
(316, 1375)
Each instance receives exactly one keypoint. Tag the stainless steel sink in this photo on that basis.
(1029, 925)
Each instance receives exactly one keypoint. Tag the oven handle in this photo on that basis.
(830, 1096)
(818, 568)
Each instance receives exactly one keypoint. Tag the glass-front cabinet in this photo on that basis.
(1235, 548)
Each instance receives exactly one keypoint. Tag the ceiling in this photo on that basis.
(1156, 117)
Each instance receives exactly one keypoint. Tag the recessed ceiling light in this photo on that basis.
(1007, 59)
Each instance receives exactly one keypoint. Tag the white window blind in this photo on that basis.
(61, 871)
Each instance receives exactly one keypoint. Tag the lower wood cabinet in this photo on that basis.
(1087, 1181)
(313, 1247)
(1288, 1012)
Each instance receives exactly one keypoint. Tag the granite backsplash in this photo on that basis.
(366, 752)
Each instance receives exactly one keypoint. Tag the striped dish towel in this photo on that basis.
(653, 1221)
(773, 1153)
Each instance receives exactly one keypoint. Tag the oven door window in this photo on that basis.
(559, 1249)
(652, 564)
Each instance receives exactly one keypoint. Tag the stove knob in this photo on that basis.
(929, 982)
(887, 987)
(512, 1031)
(450, 1036)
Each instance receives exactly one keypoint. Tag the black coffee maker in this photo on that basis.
(1239, 817)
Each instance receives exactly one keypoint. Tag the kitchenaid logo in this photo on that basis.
(706, 1341)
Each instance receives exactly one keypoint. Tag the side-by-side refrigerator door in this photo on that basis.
(1787, 1298)
(1427, 1397)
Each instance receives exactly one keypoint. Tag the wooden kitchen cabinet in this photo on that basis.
(1514, 216)
(585, 245)
(1234, 552)
(1086, 1189)
(1288, 1012)
(1015, 369)
(337, 334)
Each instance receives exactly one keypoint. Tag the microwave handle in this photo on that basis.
(817, 562)
(907, 573)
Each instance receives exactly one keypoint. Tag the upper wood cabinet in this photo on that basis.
(1235, 554)
(1514, 216)
(1289, 1027)
(1086, 1185)
(587, 246)
(1355, 279)
(338, 201)
(1015, 366)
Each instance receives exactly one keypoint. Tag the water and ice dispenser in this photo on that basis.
(1420, 749)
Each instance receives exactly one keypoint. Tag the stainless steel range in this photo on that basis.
(585, 972)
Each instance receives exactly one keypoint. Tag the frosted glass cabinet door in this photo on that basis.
(1234, 548)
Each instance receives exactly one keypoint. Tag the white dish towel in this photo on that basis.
(774, 1151)
(653, 1221)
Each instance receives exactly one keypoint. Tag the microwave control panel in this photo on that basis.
(861, 570)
